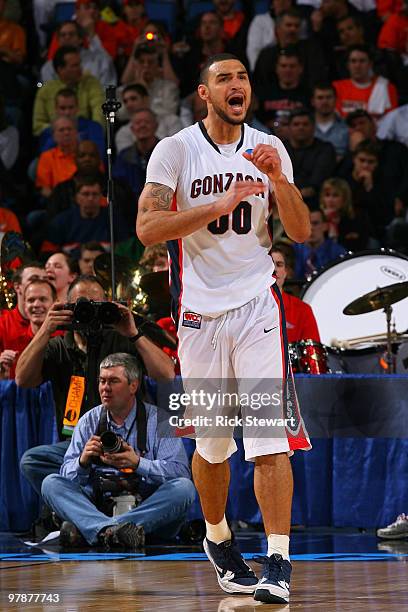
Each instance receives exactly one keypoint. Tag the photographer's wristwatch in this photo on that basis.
(136, 337)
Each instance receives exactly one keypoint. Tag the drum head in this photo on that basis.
(349, 278)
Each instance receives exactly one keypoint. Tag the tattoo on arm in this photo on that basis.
(160, 196)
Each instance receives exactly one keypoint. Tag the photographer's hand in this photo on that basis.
(56, 316)
(126, 459)
(126, 326)
(93, 448)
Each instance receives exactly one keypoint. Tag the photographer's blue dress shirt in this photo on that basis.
(164, 459)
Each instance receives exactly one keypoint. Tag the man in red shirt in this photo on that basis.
(300, 321)
(14, 323)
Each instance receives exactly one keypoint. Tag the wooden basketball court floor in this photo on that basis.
(332, 570)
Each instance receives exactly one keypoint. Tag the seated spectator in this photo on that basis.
(130, 26)
(136, 98)
(83, 223)
(363, 89)
(351, 33)
(391, 174)
(88, 253)
(286, 92)
(329, 127)
(155, 35)
(144, 68)
(97, 32)
(131, 163)
(235, 27)
(43, 13)
(318, 251)
(66, 105)
(67, 65)
(12, 39)
(39, 295)
(9, 221)
(313, 160)
(394, 33)
(394, 125)
(261, 31)
(14, 322)
(58, 164)
(88, 162)
(300, 320)
(315, 65)
(351, 227)
(61, 271)
(164, 475)
(209, 40)
(94, 59)
(324, 21)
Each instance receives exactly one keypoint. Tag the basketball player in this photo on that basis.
(207, 194)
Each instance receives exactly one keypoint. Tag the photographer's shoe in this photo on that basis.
(273, 587)
(125, 535)
(233, 574)
(71, 537)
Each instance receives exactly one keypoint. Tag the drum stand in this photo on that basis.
(390, 359)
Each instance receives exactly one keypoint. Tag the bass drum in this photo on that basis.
(347, 279)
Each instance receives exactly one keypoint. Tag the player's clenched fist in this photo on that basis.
(267, 159)
(238, 191)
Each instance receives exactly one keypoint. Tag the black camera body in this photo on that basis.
(92, 316)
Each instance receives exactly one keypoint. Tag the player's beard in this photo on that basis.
(230, 120)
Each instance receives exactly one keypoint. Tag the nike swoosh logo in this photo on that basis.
(266, 331)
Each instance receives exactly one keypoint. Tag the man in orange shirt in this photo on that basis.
(300, 320)
(363, 89)
(12, 39)
(58, 163)
(39, 296)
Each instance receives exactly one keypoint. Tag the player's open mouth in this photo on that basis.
(236, 103)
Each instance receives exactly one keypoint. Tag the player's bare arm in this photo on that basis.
(293, 212)
(157, 223)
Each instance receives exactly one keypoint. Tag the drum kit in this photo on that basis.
(353, 293)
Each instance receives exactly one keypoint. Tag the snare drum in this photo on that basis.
(308, 357)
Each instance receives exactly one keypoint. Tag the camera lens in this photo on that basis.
(108, 313)
(84, 311)
(111, 442)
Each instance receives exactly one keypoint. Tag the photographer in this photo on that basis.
(71, 363)
(164, 478)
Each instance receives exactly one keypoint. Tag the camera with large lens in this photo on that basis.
(111, 442)
(93, 316)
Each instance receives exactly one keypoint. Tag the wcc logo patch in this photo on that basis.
(192, 319)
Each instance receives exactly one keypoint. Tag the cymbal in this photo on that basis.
(382, 297)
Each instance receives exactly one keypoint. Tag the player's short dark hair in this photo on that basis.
(89, 279)
(214, 59)
(137, 88)
(59, 57)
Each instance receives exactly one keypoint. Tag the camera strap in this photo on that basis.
(73, 405)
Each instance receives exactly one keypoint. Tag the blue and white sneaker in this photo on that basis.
(273, 587)
(233, 574)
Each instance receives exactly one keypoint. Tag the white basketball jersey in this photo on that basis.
(227, 263)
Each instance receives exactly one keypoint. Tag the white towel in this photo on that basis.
(379, 100)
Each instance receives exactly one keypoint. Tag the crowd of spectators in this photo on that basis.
(329, 78)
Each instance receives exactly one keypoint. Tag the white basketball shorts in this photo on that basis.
(237, 365)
